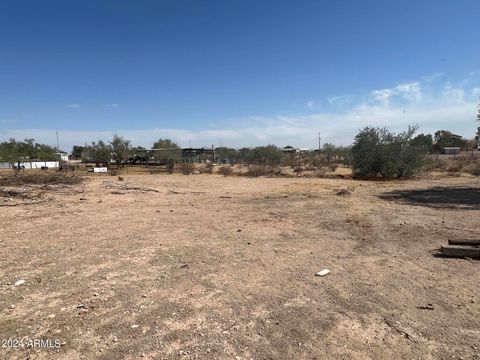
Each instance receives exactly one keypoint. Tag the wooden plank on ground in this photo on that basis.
(464, 242)
(461, 251)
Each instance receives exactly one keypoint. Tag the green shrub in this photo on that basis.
(377, 152)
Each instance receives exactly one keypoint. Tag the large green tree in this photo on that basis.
(380, 152)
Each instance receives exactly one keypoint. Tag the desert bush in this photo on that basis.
(170, 166)
(225, 170)
(256, 170)
(321, 172)
(209, 168)
(430, 164)
(311, 167)
(473, 169)
(333, 167)
(187, 168)
(460, 164)
(264, 155)
(298, 169)
(452, 167)
(379, 152)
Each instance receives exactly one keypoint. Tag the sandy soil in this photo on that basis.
(224, 268)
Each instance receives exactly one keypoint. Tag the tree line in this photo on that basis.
(375, 152)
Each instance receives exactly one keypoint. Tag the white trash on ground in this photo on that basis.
(323, 272)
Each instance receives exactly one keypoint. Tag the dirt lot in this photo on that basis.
(224, 268)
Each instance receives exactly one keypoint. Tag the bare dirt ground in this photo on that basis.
(223, 268)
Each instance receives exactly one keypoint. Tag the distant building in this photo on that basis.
(198, 155)
(63, 156)
(291, 150)
(451, 150)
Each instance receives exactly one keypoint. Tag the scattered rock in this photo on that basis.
(82, 199)
(134, 326)
(343, 192)
(115, 339)
(120, 178)
(323, 272)
(19, 282)
(12, 306)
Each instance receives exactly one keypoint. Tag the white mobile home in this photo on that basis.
(31, 165)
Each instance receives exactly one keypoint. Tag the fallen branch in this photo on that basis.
(24, 203)
(110, 185)
(400, 331)
(174, 192)
(230, 326)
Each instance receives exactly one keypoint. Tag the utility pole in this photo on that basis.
(58, 144)
(319, 142)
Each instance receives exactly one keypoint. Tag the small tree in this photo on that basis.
(328, 151)
(344, 154)
(77, 151)
(45, 152)
(423, 141)
(379, 152)
(97, 152)
(171, 152)
(121, 149)
(225, 154)
(266, 155)
(14, 152)
(11, 152)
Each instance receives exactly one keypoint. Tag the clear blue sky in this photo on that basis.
(248, 72)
